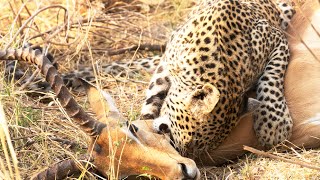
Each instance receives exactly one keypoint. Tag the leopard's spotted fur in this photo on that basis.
(223, 50)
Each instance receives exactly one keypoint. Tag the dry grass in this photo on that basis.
(82, 38)
(256, 167)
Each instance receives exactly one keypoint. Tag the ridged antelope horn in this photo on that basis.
(86, 122)
(65, 168)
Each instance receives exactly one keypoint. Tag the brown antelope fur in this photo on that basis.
(144, 147)
(115, 143)
(302, 84)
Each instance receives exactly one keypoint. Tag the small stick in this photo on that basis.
(26, 8)
(18, 16)
(148, 47)
(58, 27)
(61, 44)
(29, 80)
(23, 137)
(31, 18)
(296, 161)
(30, 142)
(27, 144)
(130, 80)
(71, 144)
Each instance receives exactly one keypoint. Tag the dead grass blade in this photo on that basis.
(291, 160)
(7, 145)
(147, 47)
(31, 18)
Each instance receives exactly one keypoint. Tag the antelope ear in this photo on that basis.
(100, 101)
(248, 106)
(202, 101)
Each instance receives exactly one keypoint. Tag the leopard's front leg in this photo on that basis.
(156, 92)
(272, 121)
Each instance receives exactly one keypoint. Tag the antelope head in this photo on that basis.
(117, 146)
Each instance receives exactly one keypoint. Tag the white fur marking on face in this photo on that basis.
(110, 101)
(314, 120)
(126, 131)
(161, 120)
(148, 108)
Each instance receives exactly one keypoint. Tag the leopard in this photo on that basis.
(224, 50)
(199, 85)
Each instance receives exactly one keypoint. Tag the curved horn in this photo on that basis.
(86, 122)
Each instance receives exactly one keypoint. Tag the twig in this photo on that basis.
(30, 18)
(27, 144)
(130, 80)
(295, 161)
(23, 137)
(46, 108)
(71, 144)
(29, 80)
(29, 13)
(148, 47)
(17, 16)
(61, 44)
(60, 28)
(57, 28)
(30, 142)
(17, 19)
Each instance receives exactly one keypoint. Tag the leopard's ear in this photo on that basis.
(100, 101)
(202, 101)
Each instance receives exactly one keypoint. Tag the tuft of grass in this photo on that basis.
(28, 116)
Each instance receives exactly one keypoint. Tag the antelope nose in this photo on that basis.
(190, 171)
